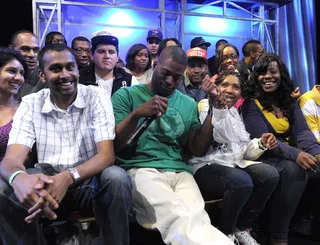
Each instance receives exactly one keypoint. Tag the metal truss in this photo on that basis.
(264, 16)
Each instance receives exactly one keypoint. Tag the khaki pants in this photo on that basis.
(172, 203)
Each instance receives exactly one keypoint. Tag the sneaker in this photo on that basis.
(233, 239)
(245, 238)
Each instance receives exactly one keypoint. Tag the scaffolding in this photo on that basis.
(263, 16)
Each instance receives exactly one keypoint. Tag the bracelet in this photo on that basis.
(261, 146)
(14, 175)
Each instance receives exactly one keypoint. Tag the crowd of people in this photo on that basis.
(212, 128)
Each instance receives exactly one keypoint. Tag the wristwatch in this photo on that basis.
(75, 174)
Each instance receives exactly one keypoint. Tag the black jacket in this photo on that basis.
(121, 78)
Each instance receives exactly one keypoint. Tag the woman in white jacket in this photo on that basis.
(228, 169)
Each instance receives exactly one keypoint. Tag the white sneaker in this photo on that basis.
(233, 239)
(245, 238)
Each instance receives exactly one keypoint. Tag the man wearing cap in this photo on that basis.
(154, 38)
(197, 69)
(103, 71)
(200, 43)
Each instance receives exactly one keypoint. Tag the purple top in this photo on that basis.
(4, 137)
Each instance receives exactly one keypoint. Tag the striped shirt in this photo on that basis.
(310, 105)
(64, 138)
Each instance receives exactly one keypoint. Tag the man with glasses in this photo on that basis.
(251, 51)
(82, 47)
(154, 38)
(27, 44)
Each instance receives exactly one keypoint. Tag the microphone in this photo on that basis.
(137, 133)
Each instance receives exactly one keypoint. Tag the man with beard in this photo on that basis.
(165, 195)
(197, 69)
(73, 128)
(102, 71)
(27, 44)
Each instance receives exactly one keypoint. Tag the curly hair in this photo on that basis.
(219, 54)
(253, 89)
(133, 52)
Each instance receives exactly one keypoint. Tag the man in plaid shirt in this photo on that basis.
(73, 128)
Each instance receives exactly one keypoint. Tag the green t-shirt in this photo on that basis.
(160, 146)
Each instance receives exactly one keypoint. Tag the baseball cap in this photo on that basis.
(103, 37)
(197, 53)
(199, 41)
(155, 34)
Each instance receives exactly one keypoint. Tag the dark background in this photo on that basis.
(17, 15)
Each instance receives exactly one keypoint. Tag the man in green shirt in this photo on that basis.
(165, 194)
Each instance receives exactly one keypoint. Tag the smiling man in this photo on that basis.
(102, 71)
(73, 128)
(165, 195)
(27, 44)
(197, 69)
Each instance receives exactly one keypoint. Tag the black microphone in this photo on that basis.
(137, 133)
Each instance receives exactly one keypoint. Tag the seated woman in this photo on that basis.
(229, 169)
(138, 61)
(270, 108)
(13, 70)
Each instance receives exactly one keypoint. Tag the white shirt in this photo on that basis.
(68, 138)
(232, 145)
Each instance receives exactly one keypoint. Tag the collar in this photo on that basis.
(315, 94)
(79, 102)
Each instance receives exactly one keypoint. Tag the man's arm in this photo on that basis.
(157, 105)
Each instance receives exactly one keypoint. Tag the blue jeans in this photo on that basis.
(244, 192)
(285, 199)
(108, 195)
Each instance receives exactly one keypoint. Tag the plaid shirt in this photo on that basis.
(64, 138)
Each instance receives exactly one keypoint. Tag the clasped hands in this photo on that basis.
(41, 194)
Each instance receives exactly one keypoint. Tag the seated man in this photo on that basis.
(197, 69)
(73, 128)
(165, 194)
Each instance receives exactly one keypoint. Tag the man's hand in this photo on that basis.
(306, 161)
(157, 105)
(269, 140)
(24, 188)
(59, 188)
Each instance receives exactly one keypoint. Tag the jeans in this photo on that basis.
(244, 191)
(108, 195)
(285, 199)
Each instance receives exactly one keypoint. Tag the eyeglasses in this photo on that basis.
(153, 41)
(81, 50)
(231, 56)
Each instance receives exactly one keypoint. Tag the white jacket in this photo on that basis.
(232, 145)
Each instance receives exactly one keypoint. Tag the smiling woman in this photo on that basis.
(12, 74)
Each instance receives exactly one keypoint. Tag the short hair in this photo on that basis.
(163, 44)
(58, 47)
(223, 75)
(17, 33)
(250, 46)
(79, 38)
(219, 53)
(219, 41)
(50, 36)
(174, 53)
(133, 52)
(8, 54)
